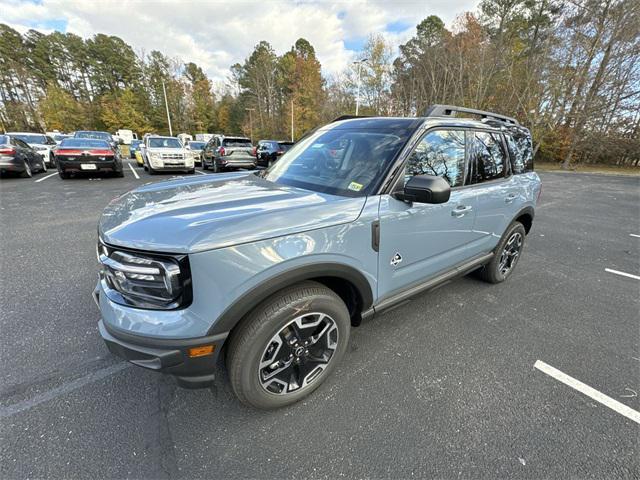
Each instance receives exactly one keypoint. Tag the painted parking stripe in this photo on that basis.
(201, 173)
(135, 174)
(615, 405)
(634, 235)
(10, 410)
(623, 274)
(44, 178)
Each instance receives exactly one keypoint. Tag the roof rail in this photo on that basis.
(348, 117)
(451, 110)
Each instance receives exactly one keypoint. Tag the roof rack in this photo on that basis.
(451, 110)
(348, 117)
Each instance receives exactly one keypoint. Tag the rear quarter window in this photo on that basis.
(520, 152)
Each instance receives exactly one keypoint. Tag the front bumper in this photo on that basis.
(164, 355)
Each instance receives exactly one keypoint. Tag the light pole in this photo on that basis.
(166, 104)
(250, 123)
(359, 63)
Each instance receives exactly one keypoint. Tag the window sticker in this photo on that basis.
(355, 186)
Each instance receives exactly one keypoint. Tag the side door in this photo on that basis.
(418, 240)
(29, 154)
(498, 192)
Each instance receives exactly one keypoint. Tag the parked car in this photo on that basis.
(166, 154)
(139, 159)
(268, 151)
(87, 155)
(195, 150)
(134, 147)
(268, 271)
(58, 137)
(185, 138)
(223, 153)
(126, 135)
(43, 144)
(95, 135)
(17, 156)
(204, 137)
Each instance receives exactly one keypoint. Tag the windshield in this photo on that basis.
(59, 138)
(164, 143)
(236, 142)
(196, 145)
(83, 143)
(95, 135)
(31, 139)
(338, 161)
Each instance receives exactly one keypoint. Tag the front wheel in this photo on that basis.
(27, 173)
(506, 256)
(285, 348)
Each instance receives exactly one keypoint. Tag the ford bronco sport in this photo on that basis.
(268, 271)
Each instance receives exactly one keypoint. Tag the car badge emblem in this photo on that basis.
(396, 259)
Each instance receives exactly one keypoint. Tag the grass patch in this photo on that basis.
(588, 168)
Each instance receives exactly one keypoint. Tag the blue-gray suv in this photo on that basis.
(267, 271)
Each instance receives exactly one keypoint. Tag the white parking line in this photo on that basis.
(134, 172)
(615, 405)
(63, 389)
(44, 178)
(624, 274)
(201, 173)
(634, 235)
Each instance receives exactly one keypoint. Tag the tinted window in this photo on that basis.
(84, 143)
(95, 135)
(521, 152)
(349, 162)
(20, 143)
(489, 157)
(285, 146)
(439, 153)
(236, 142)
(31, 139)
(4, 140)
(164, 143)
(196, 145)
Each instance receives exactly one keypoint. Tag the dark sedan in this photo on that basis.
(268, 151)
(16, 156)
(75, 155)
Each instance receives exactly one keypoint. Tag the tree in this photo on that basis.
(60, 111)
(120, 111)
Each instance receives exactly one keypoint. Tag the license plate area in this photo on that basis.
(88, 166)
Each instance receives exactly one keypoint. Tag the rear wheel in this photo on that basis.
(43, 166)
(27, 173)
(506, 256)
(63, 175)
(288, 346)
(216, 168)
(119, 174)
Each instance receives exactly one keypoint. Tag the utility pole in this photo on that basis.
(359, 63)
(166, 104)
(292, 120)
(250, 123)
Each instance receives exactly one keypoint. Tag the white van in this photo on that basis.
(126, 135)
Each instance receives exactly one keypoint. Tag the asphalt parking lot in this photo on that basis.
(444, 386)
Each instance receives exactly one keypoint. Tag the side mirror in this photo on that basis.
(426, 189)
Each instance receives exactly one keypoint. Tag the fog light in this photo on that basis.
(201, 351)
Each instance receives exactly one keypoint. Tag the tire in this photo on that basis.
(192, 171)
(119, 174)
(204, 165)
(256, 334)
(497, 271)
(63, 175)
(43, 167)
(216, 169)
(27, 170)
(52, 161)
(151, 170)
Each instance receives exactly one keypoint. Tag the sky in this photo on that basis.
(216, 34)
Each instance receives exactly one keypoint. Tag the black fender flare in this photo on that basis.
(525, 211)
(251, 299)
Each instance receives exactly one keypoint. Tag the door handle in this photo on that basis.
(461, 211)
(510, 198)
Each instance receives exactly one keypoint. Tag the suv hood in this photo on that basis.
(188, 215)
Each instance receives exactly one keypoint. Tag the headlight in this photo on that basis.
(154, 155)
(161, 282)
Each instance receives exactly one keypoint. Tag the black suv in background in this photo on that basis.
(269, 151)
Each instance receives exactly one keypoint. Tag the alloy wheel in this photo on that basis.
(298, 353)
(510, 253)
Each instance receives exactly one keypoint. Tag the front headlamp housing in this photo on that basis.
(145, 280)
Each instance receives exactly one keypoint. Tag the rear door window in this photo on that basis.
(488, 155)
